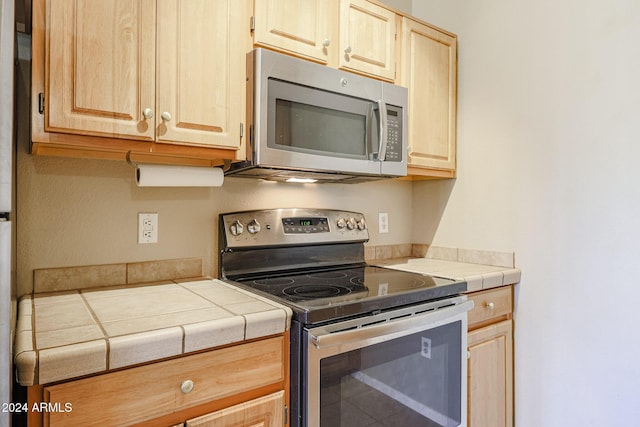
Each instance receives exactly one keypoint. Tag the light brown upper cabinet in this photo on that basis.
(354, 35)
(429, 70)
(300, 27)
(163, 71)
(367, 39)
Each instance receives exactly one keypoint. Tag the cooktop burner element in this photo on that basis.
(312, 286)
(315, 291)
(319, 272)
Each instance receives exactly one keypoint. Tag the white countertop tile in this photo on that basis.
(143, 347)
(59, 363)
(61, 337)
(477, 276)
(147, 302)
(203, 335)
(135, 324)
(218, 292)
(260, 324)
(91, 331)
(65, 314)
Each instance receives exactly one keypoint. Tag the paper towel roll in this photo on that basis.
(178, 176)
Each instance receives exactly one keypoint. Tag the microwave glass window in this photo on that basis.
(308, 127)
(409, 381)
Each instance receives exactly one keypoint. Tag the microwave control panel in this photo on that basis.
(394, 134)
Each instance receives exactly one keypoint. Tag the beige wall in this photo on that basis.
(81, 212)
(548, 153)
(401, 5)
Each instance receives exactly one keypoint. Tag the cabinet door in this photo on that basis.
(490, 371)
(201, 54)
(367, 38)
(429, 71)
(265, 411)
(100, 67)
(298, 26)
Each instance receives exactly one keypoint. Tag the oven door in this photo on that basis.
(404, 367)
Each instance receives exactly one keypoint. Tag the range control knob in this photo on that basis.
(236, 228)
(253, 227)
(361, 224)
(351, 223)
(342, 223)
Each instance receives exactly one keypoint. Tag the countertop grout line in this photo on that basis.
(94, 316)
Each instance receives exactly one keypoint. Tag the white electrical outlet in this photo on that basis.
(383, 222)
(147, 228)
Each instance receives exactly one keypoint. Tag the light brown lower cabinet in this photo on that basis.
(490, 364)
(247, 381)
(262, 412)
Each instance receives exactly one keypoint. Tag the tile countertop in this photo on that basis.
(480, 269)
(63, 335)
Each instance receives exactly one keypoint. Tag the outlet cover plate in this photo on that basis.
(147, 228)
(383, 222)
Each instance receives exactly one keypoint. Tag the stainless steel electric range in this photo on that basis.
(368, 344)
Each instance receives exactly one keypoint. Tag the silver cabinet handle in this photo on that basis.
(326, 42)
(382, 150)
(165, 116)
(147, 113)
(187, 386)
(347, 50)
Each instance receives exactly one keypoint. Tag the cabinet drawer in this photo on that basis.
(490, 304)
(150, 391)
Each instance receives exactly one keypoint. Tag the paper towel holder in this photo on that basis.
(225, 165)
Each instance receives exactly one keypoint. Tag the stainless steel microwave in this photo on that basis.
(311, 122)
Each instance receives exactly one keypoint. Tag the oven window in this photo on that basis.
(310, 127)
(409, 381)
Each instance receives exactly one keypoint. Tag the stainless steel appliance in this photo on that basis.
(368, 344)
(7, 297)
(313, 122)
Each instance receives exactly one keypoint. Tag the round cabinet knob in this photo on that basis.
(187, 386)
(165, 116)
(236, 228)
(342, 223)
(361, 224)
(326, 42)
(347, 50)
(253, 227)
(468, 354)
(491, 305)
(147, 113)
(351, 223)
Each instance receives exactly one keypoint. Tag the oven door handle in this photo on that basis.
(323, 337)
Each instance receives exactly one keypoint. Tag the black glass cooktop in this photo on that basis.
(329, 294)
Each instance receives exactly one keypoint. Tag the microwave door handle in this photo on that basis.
(368, 134)
(382, 150)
